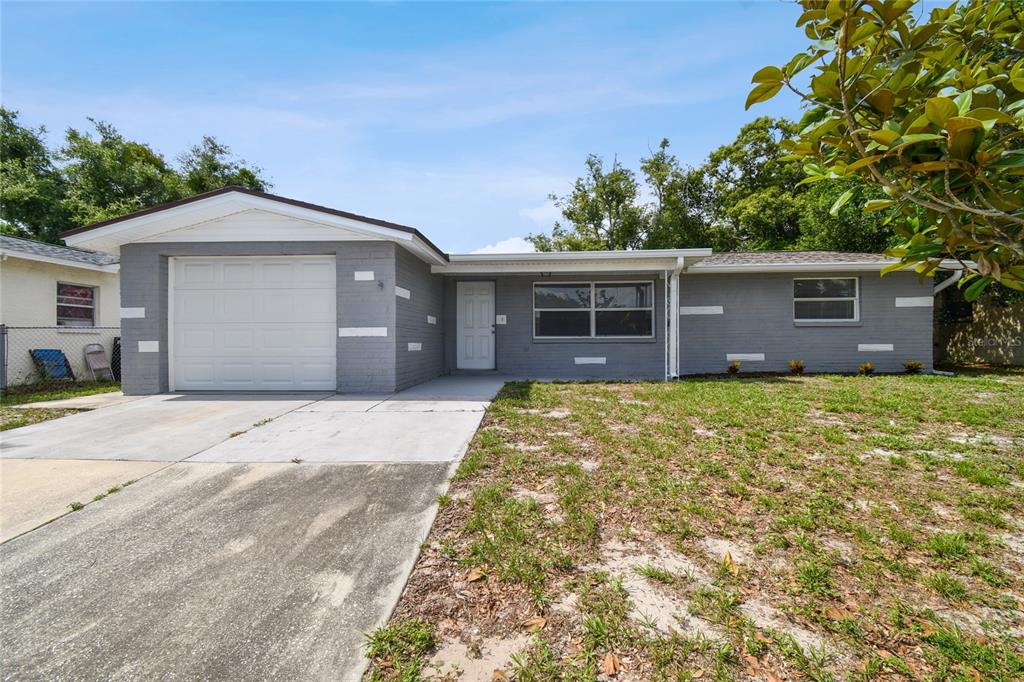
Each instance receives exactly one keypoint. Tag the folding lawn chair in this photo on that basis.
(52, 364)
(96, 360)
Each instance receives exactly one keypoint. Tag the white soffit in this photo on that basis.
(653, 261)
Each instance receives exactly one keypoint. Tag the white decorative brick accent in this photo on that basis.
(363, 275)
(415, 346)
(500, 319)
(362, 331)
(402, 293)
(590, 361)
(874, 347)
(149, 346)
(750, 357)
(431, 319)
(915, 301)
(132, 313)
(701, 310)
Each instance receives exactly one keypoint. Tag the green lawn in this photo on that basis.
(12, 418)
(820, 527)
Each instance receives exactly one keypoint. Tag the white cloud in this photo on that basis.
(510, 245)
(545, 215)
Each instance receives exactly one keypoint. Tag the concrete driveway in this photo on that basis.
(228, 560)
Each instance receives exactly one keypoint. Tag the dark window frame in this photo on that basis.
(593, 309)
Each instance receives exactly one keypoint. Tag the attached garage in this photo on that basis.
(252, 323)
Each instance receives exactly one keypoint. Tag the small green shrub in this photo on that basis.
(913, 367)
(866, 369)
(734, 367)
(796, 366)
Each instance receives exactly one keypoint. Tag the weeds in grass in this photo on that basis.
(949, 586)
(399, 650)
(814, 577)
(75, 506)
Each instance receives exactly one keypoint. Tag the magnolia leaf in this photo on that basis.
(977, 288)
(936, 166)
(963, 102)
(769, 74)
(840, 202)
(886, 137)
(915, 138)
(965, 136)
(860, 163)
(825, 86)
(873, 205)
(893, 267)
(986, 114)
(939, 109)
(762, 93)
(883, 101)
(810, 15)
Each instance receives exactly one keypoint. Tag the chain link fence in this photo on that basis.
(45, 358)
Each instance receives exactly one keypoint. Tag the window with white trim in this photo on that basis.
(826, 299)
(76, 305)
(593, 310)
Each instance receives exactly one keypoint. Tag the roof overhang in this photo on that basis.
(654, 260)
(7, 253)
(148, 225)
(867, 266)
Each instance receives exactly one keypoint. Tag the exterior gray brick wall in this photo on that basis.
(365, 364)
(517, 353)
(411, 326)
(758, 318)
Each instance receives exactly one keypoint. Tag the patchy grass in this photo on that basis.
(19, 395)
(399, 650)
(12, 418)
(804, 527)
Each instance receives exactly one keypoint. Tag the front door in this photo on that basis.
(474, 322)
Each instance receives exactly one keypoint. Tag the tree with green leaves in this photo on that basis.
(32, 189)
(209, 166)
(99, 174)
(601, 213)
(930, 113)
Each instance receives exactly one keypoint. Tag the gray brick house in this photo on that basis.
(241, 290)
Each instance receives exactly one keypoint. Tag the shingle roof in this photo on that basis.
(791, 258)
(67, 253)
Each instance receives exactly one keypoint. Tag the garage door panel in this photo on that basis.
(254, 323)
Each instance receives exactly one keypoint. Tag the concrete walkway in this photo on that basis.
(208, 567)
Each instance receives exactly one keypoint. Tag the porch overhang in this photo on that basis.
(648, 261)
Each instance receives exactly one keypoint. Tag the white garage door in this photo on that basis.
(253, 324)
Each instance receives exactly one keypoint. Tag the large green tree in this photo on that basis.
(746, 195)
(928, 111)
(32, 189)
(601, 213)
(99, 174)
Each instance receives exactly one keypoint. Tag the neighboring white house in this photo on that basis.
(55, 297)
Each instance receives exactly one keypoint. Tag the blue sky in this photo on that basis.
(458, 119)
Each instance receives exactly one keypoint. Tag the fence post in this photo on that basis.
(3, 358)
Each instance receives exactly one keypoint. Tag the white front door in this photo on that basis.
(253, 323)
(474, 322)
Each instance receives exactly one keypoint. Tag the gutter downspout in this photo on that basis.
(672, 319)
(946, 283)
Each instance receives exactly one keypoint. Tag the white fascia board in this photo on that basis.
(536, 267)
(60, 261)
(547, 256)
(868, 266)
(110, 237)
(786, 267)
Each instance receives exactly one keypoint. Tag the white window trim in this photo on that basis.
(95, 304)
(592, 309)
(855, 298)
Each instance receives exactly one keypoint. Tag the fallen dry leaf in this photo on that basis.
(729, 564)
(535, 623)
(475, 575)
(611, 665)
(698, 673)
(499, 675)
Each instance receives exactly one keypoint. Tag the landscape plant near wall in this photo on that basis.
(927, 106)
